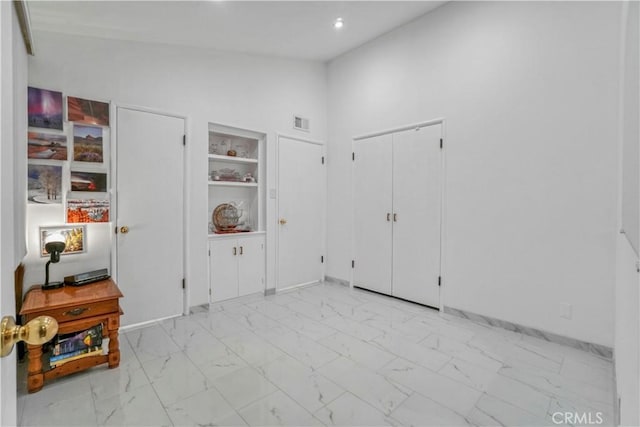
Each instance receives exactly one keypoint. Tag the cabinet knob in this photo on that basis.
(124, 229)
(283, 221)
(388, 216)
(395, 217)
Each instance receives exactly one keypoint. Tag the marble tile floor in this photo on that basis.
(327, 355)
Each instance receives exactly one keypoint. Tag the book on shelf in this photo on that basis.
(56, 361)
(69, 343)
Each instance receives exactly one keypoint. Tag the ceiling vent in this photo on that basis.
(300, 123)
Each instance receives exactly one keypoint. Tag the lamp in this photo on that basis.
(54, 244)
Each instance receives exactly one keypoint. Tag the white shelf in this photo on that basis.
(235, 235)
(233, 184)
(230, 159)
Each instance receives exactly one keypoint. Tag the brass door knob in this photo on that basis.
(283, 221)
(124, 229)
(36, 332)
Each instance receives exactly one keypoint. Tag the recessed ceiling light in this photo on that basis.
(338, 23)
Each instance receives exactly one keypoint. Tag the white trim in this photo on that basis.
(400, 129)
(443, 228)
(323, 203)
(298, 138)
(233, 130)
(24, 19)
(186, 223)
(145, 324)
(300, 285)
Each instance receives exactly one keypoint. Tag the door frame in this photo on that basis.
(323, 203)
(186, 195)
(443, 229)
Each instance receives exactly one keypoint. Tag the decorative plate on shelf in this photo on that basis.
(225, 217)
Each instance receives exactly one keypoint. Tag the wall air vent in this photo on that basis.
(300, 123)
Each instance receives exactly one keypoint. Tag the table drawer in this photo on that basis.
(81, 311)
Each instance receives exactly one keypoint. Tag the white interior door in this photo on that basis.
(416, 214)
(372, 207)
(301, 204)
(150, 256)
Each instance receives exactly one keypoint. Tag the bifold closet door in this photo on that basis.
(416, 214)
(372, 185)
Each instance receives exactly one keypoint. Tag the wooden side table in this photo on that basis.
(76, 309)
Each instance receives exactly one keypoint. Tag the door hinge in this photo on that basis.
(353, 264)
(322, 259)
(439, 281)
(184, 139)
(323, 160)
(353, 156)
(441, 143)
(183, 284)
(209, 291)
(209, 252)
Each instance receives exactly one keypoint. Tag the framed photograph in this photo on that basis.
(74, 238)
(44, 184)
(44, 108)
(87, 210)
(87, 111)
(87, 144)
(52, 146)
(88, 181)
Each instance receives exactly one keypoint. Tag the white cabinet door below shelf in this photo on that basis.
(251, 265)
(223, 272)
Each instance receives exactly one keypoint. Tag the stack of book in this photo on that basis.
(76, 346)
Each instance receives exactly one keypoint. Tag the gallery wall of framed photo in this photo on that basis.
(68, 185)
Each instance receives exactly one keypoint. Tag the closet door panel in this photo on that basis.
(416, 208)
(372, 186)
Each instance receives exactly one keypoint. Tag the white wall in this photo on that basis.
(529, 94)
(250, 92)
(13, 72)
(627, 302)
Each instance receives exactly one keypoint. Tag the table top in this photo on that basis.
(37, 300)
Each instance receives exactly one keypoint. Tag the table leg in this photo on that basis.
(35, 379)
(114, 349)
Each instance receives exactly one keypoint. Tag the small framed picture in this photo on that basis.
(74, 238)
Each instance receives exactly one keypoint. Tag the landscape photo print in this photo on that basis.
(44, 108)
(44, 184)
